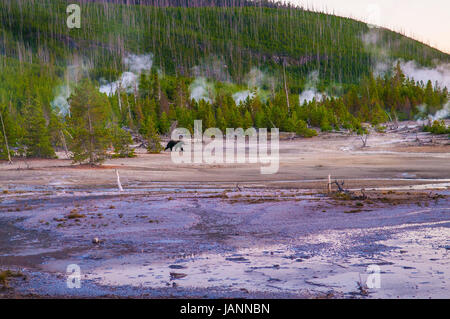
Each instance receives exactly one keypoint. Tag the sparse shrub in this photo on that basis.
(438, 127)
(121, 143)
(6, 275)
(303, 130)
(380, 129)
(75, 216)
(325, 125)
(153, 140)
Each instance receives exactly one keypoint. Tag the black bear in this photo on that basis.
(174, 145)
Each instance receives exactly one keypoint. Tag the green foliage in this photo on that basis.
(182, 38)
(303, 130)
(300, 127)
(8, 134)
(248, 121)
(220, 122)
(380, 129)
(362, 131)
(325, 125)
(121, 143)
(36, 139)
(438, 127)
(7, 275)
(34, 63)
(153, 141)
(88, 124)
(164, 124)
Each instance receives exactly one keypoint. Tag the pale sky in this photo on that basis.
(425, 20)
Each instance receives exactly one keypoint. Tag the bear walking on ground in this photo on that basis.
(174, 145)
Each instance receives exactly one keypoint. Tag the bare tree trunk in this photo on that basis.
(135, 93)
(364, 138)
(91, 141)
(25, 161)
(63, 140)
(119, 185)
(119, 98)
(285, 86)
(6, 139)
(159, 90)
(273, 125)
(129, 113)
(173, 126)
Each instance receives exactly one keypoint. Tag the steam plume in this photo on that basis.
(440, 74)
(310, 91)
(136, 64)
(201, 90)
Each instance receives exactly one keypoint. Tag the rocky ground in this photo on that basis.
(227, 231)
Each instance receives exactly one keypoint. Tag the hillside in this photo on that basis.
(245, 66)
(183, 38)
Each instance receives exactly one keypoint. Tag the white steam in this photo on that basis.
(74, 72)
(442, 113)
(380, 54)
(422, 108)
(129, 80)
(242, 96)
(383, 63)
(212, 68)
(310, 93)
(139, 63)
(60, 103)
(440, 74)
(201, 90)
(257, 81)
(439, 115)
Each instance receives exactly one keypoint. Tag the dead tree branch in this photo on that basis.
(340, 186)
(364, 138)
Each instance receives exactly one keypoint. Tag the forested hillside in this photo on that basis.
(182, 38)
(245, 65)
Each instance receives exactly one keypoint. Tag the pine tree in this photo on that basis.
(88, 124)
(248, 121)
(164, 124)
(220, 122)
(37, 138)
(325, 125)
(301, 128)
(153, 141)
(378, 115)
(260, 119)
(121, 143)
(210, 121)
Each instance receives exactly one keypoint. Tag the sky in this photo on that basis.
(425, 20)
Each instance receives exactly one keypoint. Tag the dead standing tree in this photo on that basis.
(173, 126)
(364, 138)
(6, 139)
(285, 85)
